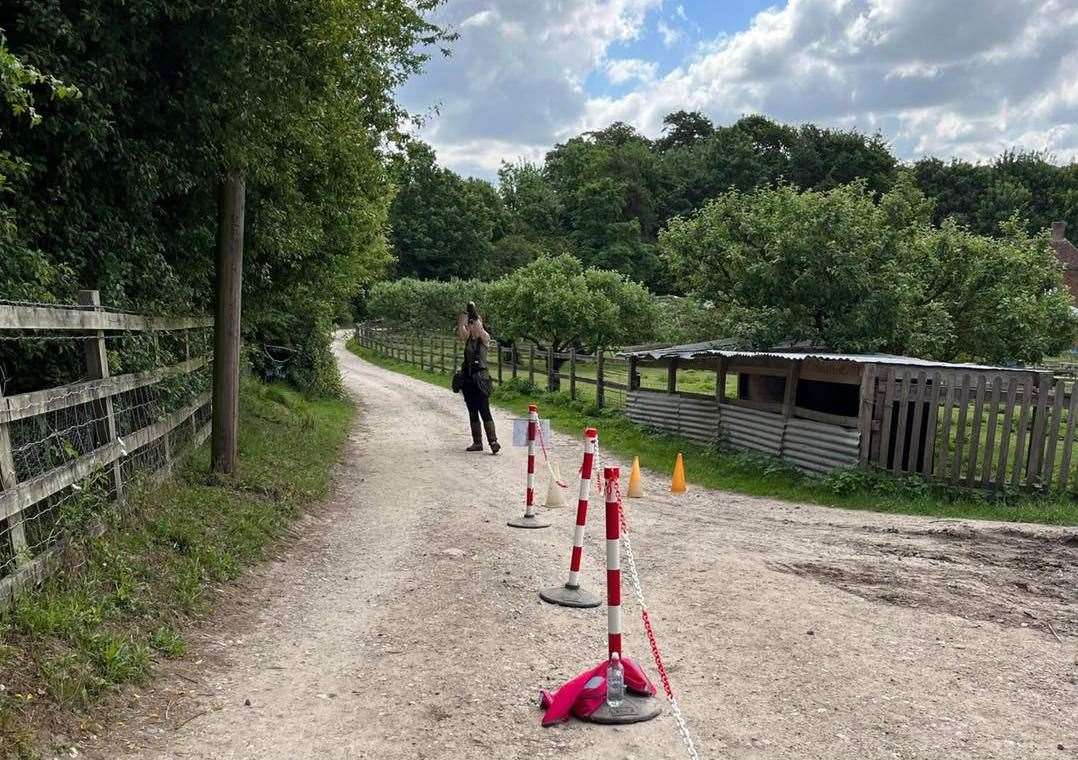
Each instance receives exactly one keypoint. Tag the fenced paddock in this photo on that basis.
(989, 427)
(137, 396)
(599, 378)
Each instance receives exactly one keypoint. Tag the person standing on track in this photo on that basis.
(474, 379)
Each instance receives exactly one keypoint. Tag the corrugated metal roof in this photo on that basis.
(703, 351)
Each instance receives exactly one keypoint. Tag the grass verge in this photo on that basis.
(88, 630)
(759, 476)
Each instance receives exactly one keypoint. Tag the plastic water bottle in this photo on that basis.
(615, 681)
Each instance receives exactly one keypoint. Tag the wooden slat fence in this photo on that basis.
(992, 429)
(66, 451)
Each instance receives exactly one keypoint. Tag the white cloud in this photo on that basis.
(479, 19)
(515, 81)
(669, 34)
(962, 78)
(955, 79)
(622, 70)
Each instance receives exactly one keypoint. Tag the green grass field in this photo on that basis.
(89, 630)
(706, 466)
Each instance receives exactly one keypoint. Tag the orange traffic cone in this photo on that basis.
(678, 483)
(636, 490)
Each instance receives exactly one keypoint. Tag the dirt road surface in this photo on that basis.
(403, 621)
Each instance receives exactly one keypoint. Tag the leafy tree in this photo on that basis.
(427, 305)
(117, 186)
(443, 226)
(842, 271)
(683, 129)
(534, 208)
(825, 158)
(556, 303)
(983, 196)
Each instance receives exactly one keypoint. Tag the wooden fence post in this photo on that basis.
(97, 368)
(8, 480)
(441, 343)
(865, 410)
(789, 400)
(1052, 433)
(226, 352)
(572, 374)
(634, 376)
(513, 358)
(531, 364)
(600, 391)
(720, 381)
(187, 357)
(498, 346)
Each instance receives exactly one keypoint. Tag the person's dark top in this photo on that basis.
(475, 357)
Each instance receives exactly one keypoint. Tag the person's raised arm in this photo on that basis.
(478, 331)
(462, 326)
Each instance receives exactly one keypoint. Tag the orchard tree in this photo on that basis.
(426, 305)
(841, 271)
(557, 304)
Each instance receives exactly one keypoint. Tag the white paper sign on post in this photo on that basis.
(520, 432)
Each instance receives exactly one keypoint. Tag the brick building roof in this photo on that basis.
(1068, 255)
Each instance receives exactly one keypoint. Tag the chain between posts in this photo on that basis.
(638, 591)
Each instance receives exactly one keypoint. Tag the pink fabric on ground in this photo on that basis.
(582, 696)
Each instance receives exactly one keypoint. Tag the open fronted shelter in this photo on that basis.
(820, 411)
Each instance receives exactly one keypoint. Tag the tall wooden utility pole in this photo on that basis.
(226, 346)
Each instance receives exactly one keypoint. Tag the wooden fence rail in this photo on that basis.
(88, 438)
(508, 362)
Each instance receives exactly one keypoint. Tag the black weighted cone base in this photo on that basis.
(565, 596)
(527, 522)
(633, 709)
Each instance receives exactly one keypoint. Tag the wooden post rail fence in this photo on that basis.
(578, 368)
(986, 428)
(91, 436)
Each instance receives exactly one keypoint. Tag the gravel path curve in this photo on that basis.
(403, 621)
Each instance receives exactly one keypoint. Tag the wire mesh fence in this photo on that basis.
(84, 414)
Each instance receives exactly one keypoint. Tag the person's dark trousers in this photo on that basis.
(479, 409)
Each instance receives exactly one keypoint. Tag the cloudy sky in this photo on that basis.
(964, 78)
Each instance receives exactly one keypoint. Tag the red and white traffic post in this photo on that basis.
(571, 594)
(585, 696)
(613, 560)
(639, 703)
(529, 520)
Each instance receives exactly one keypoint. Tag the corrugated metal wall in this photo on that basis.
(751, 430)
(811, 446)
(690, 416)
(819, 447)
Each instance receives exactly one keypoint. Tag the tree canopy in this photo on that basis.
(116, 189)
(840, 270)
(554, 302)
(604, 196)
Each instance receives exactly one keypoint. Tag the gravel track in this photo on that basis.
(403, 621)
